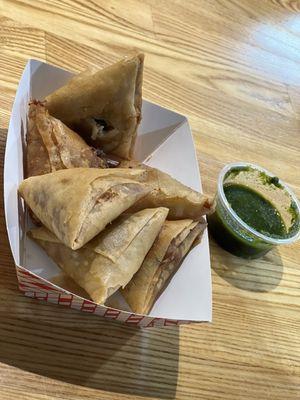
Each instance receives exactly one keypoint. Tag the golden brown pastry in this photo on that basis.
(64, 281)
(76, 204)
(109, 261)
(37, 157)
(52, 146)
(164, 258)
(103, 106)
(182, 201)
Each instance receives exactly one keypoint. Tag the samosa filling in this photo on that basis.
(102, 125)
(177, 250)
(103, 130)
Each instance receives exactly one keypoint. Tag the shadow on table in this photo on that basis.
(81, 349)
(99, 355)
(260, 275)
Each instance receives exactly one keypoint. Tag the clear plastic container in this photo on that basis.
(233, 234)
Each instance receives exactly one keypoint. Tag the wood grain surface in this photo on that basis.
(233, 67)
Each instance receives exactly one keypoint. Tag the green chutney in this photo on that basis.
(253, 211)
(256, 212)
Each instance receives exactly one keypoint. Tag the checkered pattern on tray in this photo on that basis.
(38, 288)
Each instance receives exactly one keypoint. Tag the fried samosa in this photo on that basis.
(64, 281)
(182, 201)
(163, 260)
(109, 261)
(52, 146)
(103, 106)
(76, 204)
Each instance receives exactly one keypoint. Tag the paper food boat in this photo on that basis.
(165, 142)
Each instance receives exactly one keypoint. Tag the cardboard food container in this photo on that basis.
(165, 142)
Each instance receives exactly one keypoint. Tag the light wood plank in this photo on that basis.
(233, 68)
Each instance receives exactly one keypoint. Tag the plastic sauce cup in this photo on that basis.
(233, 234)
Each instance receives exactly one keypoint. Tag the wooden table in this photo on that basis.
(233, 67)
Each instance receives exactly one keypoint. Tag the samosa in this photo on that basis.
(104, 106)
(52, 146)
(64, 281)
(163, 260)
(182, 201)
(76, 204)
(110, 260)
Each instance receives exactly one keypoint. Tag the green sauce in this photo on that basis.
(245, 191)
(233, 241)
(256, 211)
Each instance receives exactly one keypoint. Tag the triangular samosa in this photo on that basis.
(110, 260)
(52, 146)
(76, 204)
(64, 281)
(103, 106)
(182, 201)
(163, 260)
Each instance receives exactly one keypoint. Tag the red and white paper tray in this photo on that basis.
(165, 142)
